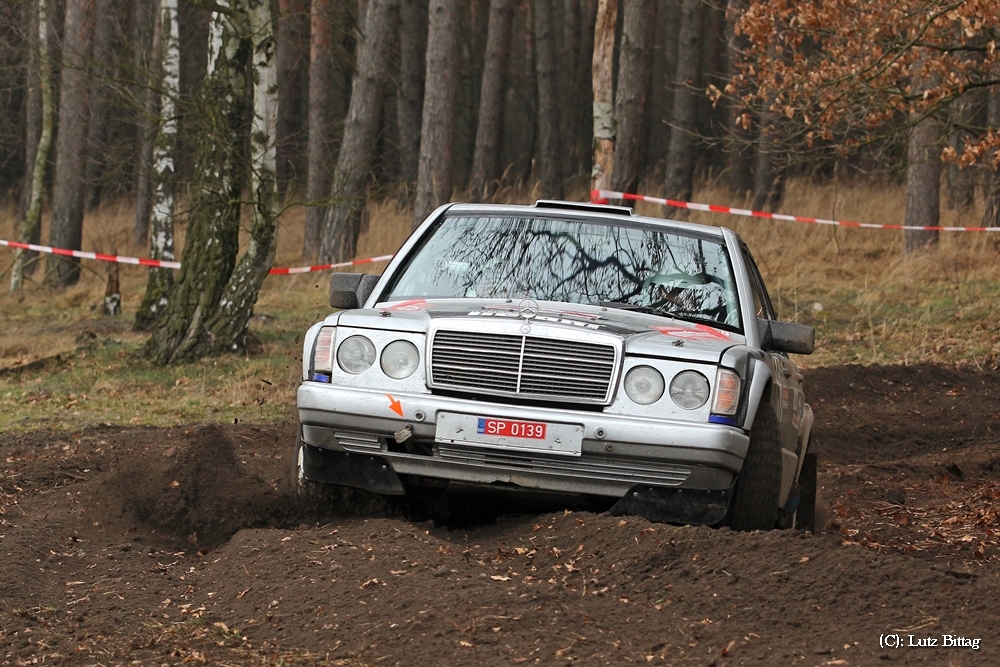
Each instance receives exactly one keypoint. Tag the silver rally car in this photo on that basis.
(564, 348)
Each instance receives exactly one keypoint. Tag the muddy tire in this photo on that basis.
(308, 489)
(758, 487)
(805, 515)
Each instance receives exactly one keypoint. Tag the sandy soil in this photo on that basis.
(187, 545)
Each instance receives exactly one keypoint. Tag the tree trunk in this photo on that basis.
(410, 98)
(739, 148)
(923, 184)
(569, 88)
(630, 99)
(144, 61)
(33, 128)
(680, 154)
(71, 143)
(212, 238)
(32, 104)
(100, 91)
(486, 160)
(293, 33)
(604, 110)
(319, 159)
(549, 145)
(166, 48)
(342, 224)
(32, 219)
(438, 118)
(150, 69)
(961, 182)
(768, 176)
(991, 186)
(227, 328)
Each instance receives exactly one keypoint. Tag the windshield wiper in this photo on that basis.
(686, 315)
(622, 305)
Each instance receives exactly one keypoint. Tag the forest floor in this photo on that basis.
(162, 546)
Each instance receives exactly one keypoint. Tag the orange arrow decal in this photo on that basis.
(395, 405)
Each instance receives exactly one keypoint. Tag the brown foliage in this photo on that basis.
(847, 73)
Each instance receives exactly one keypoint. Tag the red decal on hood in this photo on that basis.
(411, 305)
(694, 332)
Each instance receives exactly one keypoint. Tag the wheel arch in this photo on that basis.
(760, 382)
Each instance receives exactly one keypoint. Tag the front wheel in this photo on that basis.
(758, 487)
(305, 487)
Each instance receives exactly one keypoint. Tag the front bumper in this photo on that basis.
(617, 452)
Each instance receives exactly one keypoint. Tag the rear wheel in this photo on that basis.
(758, 487)
(805, 515)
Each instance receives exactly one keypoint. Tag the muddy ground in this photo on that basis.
(186, 545)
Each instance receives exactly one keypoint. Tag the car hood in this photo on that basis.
(643, 334)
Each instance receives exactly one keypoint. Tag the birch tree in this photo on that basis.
(210, 307)
(33, 216)
(161, 237)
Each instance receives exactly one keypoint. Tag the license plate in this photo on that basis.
(510, 427)
(510, 434)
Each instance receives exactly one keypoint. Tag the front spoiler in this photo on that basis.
(689, 506)
(657, 504)
(360, 471)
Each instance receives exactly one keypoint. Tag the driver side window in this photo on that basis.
(761, 301)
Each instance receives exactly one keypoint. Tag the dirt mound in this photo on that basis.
(195, 490)
(94, 530)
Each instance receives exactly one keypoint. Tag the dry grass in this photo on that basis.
(870, 304)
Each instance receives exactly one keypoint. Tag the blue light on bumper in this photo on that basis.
(719, 419)
(320, 377)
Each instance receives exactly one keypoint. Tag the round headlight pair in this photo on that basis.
(399, 358)
(688, 390)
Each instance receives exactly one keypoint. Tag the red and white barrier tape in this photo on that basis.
(602, 197)
(323, 267)
(145, 261)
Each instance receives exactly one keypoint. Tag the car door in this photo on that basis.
(787, 397)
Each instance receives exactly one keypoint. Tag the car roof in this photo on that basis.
(584, 211)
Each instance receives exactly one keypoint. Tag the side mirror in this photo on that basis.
(351, 290)
(786, 337)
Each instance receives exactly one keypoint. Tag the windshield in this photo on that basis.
(678, 274)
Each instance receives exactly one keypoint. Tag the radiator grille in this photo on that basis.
(525, 366)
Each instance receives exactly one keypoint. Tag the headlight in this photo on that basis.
(644, 385)
(689, 390)
(727, 392)
(400, 359)
(323, 354)
(356, 354)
